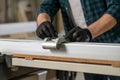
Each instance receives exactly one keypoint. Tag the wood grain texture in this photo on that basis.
(68, 59)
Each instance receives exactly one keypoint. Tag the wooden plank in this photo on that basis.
(68, 66)
(66, 59)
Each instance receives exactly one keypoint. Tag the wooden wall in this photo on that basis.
(3, 11)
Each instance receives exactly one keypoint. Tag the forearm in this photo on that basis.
(42, 17)
(105, 23)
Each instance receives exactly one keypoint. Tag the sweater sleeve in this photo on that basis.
(48, 6)
(113, 8)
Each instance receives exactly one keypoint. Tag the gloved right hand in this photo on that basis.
(46, 29)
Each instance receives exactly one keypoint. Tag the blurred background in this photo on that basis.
(17, 10)
(21, 11)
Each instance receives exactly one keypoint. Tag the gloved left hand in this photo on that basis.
(46, 29)
(78, 34)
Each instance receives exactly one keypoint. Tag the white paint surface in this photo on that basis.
(74, 50)
(14, 28)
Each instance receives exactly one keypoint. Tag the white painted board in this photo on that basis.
(14, 28)
(74, 50)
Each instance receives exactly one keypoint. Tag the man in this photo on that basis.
(84, 20)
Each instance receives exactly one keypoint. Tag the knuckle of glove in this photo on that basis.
(52, 30)
(75, 35)
(41, 29)
(40, 34)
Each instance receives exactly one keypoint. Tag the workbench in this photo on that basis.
(99, 58)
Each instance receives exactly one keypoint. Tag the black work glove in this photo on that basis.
(46, 29)
(78, 34)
